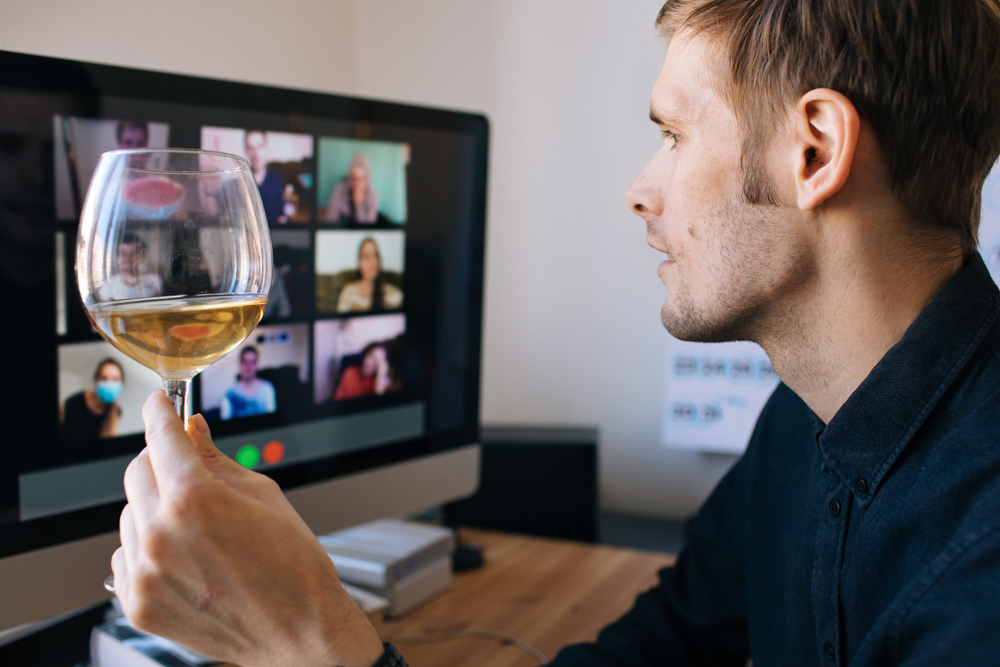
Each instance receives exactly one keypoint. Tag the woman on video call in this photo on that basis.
(354, 200)
(369, 291)
(93, 413)
(373, 377)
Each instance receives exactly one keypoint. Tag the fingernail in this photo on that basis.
(201, 425)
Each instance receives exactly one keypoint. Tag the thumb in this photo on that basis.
(225, 469)
(201, 438)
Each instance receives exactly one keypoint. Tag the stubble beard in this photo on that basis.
(748, 259)
(724, 319)
(687, 322)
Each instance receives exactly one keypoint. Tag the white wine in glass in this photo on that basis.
(174, 259)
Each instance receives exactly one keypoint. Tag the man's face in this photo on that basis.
(248, 365)
(256, 146)
(133, 137)
(726, 261)
(128, 258)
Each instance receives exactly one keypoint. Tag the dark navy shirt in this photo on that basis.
(874, 540)
(272, 195)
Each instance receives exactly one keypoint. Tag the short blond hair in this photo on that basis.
(924, 74)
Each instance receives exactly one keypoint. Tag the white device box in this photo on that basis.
(402, 561)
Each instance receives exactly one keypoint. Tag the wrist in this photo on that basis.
(351, 640)
(360, 650)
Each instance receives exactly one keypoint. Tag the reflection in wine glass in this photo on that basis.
(131, 278)
(174, 259)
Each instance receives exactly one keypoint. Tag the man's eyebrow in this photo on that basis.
(673, 118)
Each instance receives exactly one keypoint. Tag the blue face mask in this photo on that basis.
(109, 390)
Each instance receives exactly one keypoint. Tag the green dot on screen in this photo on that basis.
(248, 456)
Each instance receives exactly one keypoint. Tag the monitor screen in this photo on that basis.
(369, 349)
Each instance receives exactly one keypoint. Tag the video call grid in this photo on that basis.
(78, 329)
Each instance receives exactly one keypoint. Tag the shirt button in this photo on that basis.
(834, 508)
(862, 485)
(831, 655)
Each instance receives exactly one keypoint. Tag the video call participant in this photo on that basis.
(369, 291)
(818, 191)
(373, 377)
(131, 135)
(250, 395)
(354, 201)
(93, 413)
(130, 282)
(269, 182)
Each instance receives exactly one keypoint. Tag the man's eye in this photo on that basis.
(667, 134)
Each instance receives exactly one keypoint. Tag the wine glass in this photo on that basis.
(173, 259)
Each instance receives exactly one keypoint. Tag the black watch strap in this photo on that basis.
(390, 658)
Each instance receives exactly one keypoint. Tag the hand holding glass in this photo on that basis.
(174, 259)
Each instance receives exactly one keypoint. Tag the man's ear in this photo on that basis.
(826, 135)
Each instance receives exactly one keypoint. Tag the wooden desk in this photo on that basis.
(549, 593)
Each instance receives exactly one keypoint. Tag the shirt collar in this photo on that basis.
(870, 430)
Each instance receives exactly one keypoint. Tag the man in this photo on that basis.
(131, 136)
(818, 193)
(130, 281)
(269, 182)
(249, 395)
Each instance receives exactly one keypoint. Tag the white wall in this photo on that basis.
(297, 43)
(572, 331)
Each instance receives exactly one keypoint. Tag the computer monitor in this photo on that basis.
(359, 390)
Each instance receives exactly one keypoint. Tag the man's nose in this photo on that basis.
(644, 198)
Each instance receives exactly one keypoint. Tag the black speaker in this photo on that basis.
(535, 481)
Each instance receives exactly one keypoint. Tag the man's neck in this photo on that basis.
(858, 306)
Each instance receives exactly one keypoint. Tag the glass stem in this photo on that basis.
(179, 392)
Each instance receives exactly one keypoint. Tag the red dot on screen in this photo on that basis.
(274, 451)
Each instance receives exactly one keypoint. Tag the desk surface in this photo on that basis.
(549, 593)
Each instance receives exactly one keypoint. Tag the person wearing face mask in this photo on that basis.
(369, 291)
(93, 413)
